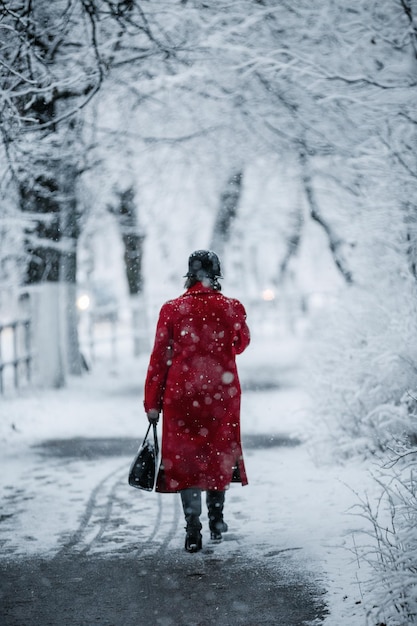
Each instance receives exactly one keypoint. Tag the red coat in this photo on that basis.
(192, 378)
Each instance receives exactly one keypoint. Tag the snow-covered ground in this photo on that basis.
(294, 508)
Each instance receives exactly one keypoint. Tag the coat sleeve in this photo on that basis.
(159, 363)
(241, 338)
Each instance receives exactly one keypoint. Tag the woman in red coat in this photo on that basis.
(192, 378)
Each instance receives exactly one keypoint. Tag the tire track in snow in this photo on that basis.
(173, 529)
(78, 536)
(162, 525)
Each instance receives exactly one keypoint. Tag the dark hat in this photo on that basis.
(204, 264)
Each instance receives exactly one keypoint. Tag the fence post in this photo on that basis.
(14, 328)
(26, 328)
(1, 361)
(20, 350)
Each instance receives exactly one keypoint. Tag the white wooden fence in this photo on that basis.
(15, 354)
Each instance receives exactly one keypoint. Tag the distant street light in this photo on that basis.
(83, 302)
(268, 295)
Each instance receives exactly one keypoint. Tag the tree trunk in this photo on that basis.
(48, 196)
(229, 203)
(133, 241)
(69, 225)
(293, 242)
(48, 365)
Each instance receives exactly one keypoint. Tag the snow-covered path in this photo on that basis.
(69, 497)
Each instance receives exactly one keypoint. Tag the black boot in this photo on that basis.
(191, 502)
(193, 539)
(215, 504)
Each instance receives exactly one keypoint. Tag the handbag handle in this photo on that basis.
(147, 433)
(155, 437)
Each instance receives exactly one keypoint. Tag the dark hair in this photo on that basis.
(213, 283)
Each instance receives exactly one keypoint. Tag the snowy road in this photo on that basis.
(124, 562)
(79, 546)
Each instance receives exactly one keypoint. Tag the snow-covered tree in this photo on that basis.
(210, 91)
(55, 58)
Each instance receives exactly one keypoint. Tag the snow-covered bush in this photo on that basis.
(392, 553)
(362, 367)
(362, 378)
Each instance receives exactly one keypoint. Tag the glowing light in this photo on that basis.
(83, 302)
(268, 295)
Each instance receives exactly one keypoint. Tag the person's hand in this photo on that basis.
(153, 416)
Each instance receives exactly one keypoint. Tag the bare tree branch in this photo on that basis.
(334, 242)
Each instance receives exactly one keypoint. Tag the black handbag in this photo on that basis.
(142, 472)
